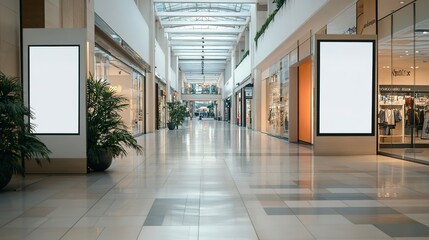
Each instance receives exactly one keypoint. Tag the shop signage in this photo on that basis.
(368, 24)
(400, 73)
(248, 92)
(350, 30)
(395, 89)
(404, 88)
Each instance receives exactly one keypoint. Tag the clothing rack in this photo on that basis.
(399, 127)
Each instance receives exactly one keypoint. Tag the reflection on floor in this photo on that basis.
(414, 154)
(213, 180)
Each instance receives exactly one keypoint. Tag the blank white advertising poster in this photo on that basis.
(346, 87)
(54, 89)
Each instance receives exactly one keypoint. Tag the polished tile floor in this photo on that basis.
(213, 180)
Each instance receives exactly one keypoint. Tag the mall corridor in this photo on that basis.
(214, 180)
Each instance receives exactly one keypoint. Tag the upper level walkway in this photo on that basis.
(214, 180)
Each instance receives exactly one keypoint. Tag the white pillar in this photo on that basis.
(150, 78)
(233, 98)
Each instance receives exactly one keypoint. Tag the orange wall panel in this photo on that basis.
(304, 102)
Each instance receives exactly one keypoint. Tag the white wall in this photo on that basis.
(243, 70)
(227, 90)
(160, 61)
(173, 79)
(228, 72)
(126, 20)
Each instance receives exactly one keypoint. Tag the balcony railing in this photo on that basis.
(198, 89)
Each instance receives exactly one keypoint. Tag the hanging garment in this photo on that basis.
(390, 117)
(397, 116)
(421, 117)
(382, 116)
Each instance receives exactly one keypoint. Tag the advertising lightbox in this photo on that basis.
(345, 92)
(54, 89)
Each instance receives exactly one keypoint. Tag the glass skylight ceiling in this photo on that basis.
(203, 35)
(195, 7)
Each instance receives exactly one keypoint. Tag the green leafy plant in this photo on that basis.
(177, 113)
(279, 4)
(17, 141)
(106, 131)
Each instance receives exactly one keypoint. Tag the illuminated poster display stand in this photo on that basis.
(54, 81)
(345, 95)
(54, 88)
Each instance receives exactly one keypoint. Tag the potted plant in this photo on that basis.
(177, 114)
(17, 141)
(107, 134)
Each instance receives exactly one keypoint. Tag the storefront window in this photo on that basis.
(126, 82)
(162, 106)
(403, 101)
(284, 85)
(238, 108)
(278, 99)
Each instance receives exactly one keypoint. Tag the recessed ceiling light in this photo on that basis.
(417, 67)
(417, 51)
(401, 2)
(425, 32)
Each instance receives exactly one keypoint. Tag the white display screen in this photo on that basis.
(345, 87)
(54, 89)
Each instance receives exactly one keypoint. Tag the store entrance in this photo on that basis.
(249, 113)
(204, 110)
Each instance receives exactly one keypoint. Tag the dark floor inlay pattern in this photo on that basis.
(278, 211)
(173, 212)
(404, 230)
(280, 186)
(324, 195)
(366, 210)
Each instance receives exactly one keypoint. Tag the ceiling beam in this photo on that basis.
(199, 61)
(208, 1)
(194, 75)
(205, 57)
(179, 42)
(201, 44)
(203, 14)
(200, 38)
(208, 23)
(208, 31)
(178, 47)
(201, 51)
(202, 54)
